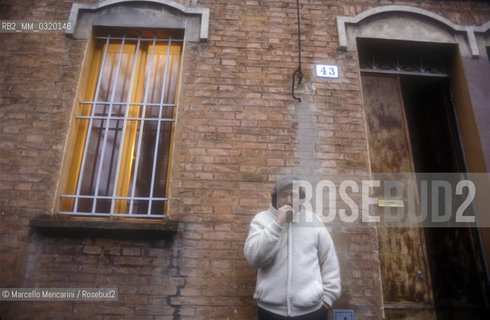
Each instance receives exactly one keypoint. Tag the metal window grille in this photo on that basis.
(125, 131)
(404, 58)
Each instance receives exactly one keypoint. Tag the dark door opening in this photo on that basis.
(412, 127)
(454, 256)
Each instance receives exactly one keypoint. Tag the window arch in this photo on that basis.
(142, 14)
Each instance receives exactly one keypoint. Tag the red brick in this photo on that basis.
(236, 130)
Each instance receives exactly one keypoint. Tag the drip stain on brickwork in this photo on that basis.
(175, 300)
(307, 138)
(35, 249)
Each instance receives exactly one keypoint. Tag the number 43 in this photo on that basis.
(327, 71)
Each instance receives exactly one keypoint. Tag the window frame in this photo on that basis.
(85, 89)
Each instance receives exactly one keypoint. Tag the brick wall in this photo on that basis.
(237, 129)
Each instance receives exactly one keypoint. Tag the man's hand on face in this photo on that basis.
(282, 214)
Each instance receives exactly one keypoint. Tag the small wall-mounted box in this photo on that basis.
(342, 314)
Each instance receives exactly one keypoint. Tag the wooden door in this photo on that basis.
(405, 273)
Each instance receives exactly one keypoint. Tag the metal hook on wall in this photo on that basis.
(300, 77)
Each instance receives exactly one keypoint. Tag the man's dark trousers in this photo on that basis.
(320, 314)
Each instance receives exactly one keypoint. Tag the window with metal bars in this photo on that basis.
(120, 148)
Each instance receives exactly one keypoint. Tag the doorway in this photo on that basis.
(427, 273)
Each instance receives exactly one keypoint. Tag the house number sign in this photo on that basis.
(327, 71)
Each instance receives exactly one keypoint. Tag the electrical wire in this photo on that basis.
(298, 72)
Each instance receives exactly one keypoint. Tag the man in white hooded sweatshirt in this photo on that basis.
(298, 271)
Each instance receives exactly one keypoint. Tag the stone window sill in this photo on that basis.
(53, 225)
